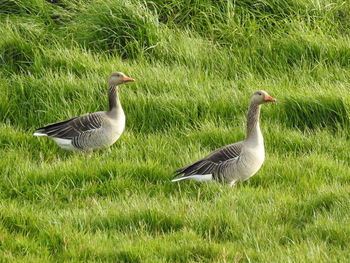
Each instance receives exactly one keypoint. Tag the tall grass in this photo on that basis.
(196, 64)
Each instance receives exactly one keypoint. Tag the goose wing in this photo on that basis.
(73, 127)
(211, 163)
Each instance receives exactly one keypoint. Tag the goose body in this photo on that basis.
(91, 131)
(235, 162)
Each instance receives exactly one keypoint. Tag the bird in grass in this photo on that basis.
(235, 162)
(94, 130)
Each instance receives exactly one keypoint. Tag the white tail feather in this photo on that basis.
(39, 134)
(179, 179)
(64, 143)
(195, 177)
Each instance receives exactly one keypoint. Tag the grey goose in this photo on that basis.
(95, 130)
(235, 162)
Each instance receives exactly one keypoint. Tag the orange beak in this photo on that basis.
(127, 79)
(269, 99)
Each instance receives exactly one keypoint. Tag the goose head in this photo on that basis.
(118, 78)
(261, 97)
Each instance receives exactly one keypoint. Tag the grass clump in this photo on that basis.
(124, 28)
(324, 112)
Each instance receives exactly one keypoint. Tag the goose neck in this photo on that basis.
(115, 108)
(113, 96)
(253, 127)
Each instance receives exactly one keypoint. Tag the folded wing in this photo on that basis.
(212, 163)
(73, 127)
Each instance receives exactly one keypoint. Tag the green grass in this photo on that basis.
(196, 64)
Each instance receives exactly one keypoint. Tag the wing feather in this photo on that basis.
(74, 127)
(214, 162)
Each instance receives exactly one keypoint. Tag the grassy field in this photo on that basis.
(197, 63)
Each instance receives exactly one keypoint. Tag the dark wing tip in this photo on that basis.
(41, 129)
(179, 171)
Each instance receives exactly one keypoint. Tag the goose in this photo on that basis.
(91, 131)
(236, 162)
